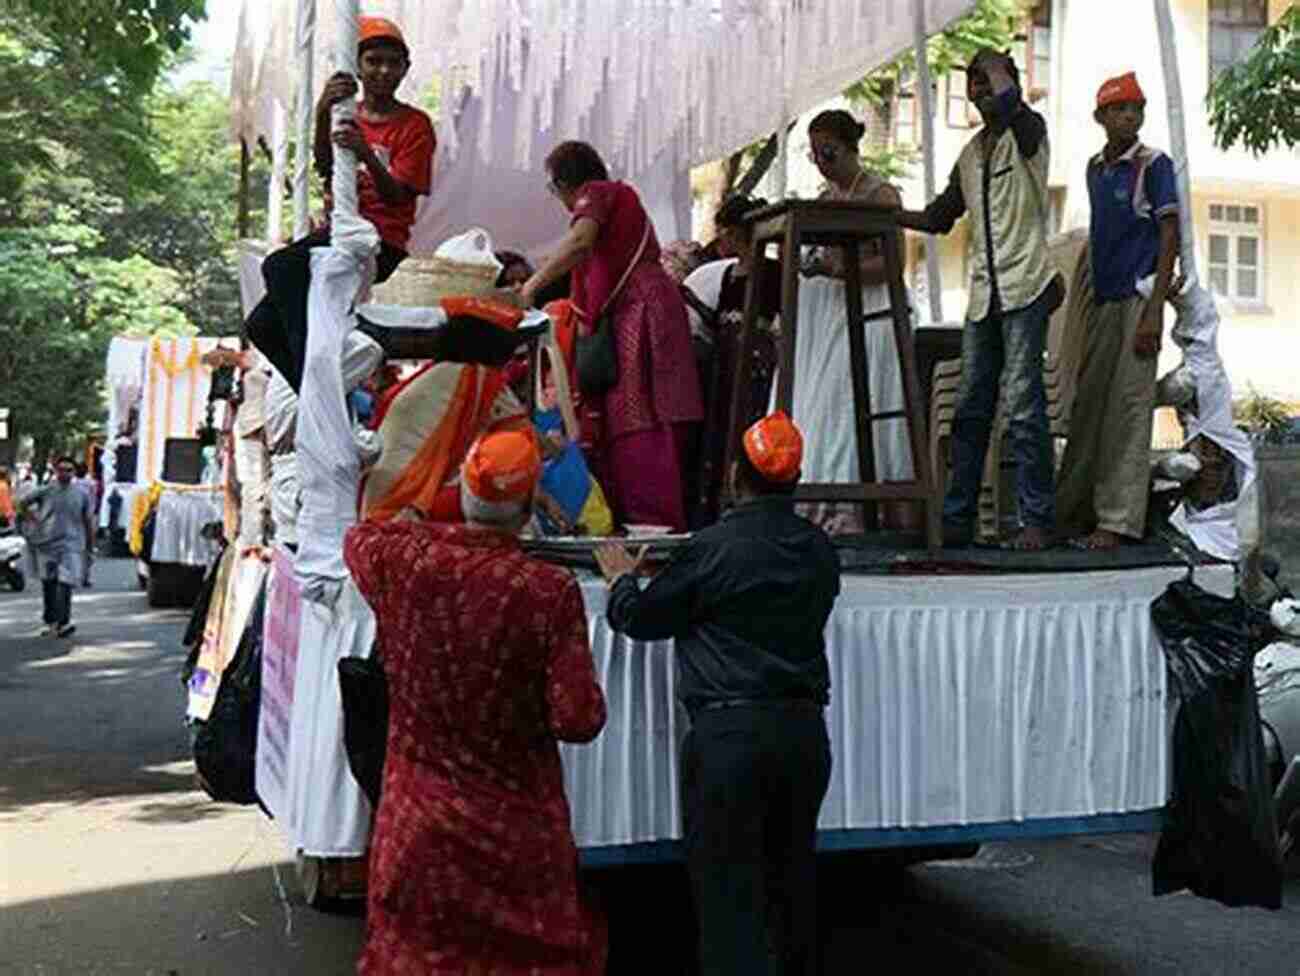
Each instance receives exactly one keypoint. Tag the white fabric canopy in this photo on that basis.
(954, 701)
(656, 85)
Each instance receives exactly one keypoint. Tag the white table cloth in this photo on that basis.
(177, 535)
(954, 701)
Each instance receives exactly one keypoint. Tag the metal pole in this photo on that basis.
(1177, 138)
(279, 163)
(241, 213)
(346, 14)
(933, 282)
(306, 51)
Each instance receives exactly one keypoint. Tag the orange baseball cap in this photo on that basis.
(374, 28)
(774, 447)
(502, 467)
(1116, 91)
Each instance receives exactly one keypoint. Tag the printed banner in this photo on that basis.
(282, 627)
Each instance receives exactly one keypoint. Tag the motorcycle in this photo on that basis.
(13, 554)
(1277, 683)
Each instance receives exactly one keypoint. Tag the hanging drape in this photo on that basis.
(657, 85)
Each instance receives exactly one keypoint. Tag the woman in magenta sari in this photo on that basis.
(639, 431)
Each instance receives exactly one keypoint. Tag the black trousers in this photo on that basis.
(58, 602)
(278, 325)
(753, 780)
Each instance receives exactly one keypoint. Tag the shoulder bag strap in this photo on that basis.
(709, 315)
(627, 273)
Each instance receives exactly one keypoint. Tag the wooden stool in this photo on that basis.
(796, 223)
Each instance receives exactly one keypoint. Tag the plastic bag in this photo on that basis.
(225, 746)
(568, 482)
(363, 688)
(1220, 836)
(472, 247)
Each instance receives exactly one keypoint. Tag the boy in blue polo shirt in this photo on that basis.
(1105, 475)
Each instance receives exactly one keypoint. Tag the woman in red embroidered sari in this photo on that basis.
(638, 432)
(473, 867)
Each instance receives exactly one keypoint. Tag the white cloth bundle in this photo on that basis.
(1231, 529)
(472, 247)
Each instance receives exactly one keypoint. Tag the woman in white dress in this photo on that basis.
(823, 392)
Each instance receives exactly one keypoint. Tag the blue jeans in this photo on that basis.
(1003, 353)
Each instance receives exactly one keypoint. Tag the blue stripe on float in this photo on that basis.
(670, 851)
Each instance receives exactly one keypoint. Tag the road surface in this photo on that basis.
(111, 862)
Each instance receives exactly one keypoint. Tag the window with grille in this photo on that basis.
(1038, 51)
(1031, 48)
(907, 110)
(960, 113)
(1236, 251)
(1235, 26)
(906, 130)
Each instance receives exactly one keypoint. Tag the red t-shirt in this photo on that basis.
(404, 143)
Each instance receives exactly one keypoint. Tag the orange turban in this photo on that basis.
(373, 28)
(1116, 91)
(502, 467)
(774, 447)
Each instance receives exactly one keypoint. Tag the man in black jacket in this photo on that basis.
(747, 602)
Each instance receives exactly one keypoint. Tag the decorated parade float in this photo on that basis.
(160, 470)
(976, 694)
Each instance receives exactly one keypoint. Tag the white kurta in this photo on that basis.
(823, 386)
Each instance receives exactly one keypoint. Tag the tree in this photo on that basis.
(186, 220)
(62, 304)
(992, 24)
(110, 201)
(1257, 102)
(74, 73)
(123, 43)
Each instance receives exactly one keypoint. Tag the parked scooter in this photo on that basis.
(13, 556)
(1277, 682)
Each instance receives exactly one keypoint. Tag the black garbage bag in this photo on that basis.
(363, 687)
(225, 746)
(1220, 837)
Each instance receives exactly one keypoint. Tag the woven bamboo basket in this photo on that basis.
(423, 281)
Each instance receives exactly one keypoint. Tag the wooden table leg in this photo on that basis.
(789, 313)
(862, 411)
(922, 469)
(737, 396)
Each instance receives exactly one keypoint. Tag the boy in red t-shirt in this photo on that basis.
(394, 143)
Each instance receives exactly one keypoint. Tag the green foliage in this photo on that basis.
(1257, 102)
(890, 162)
(1263, 416)
(117, 201)
(124, 44)
(991, 24)
(62, 304)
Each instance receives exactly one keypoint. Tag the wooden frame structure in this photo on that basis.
(794, 224)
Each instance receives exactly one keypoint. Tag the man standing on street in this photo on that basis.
(66, 532)
(747, 601)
